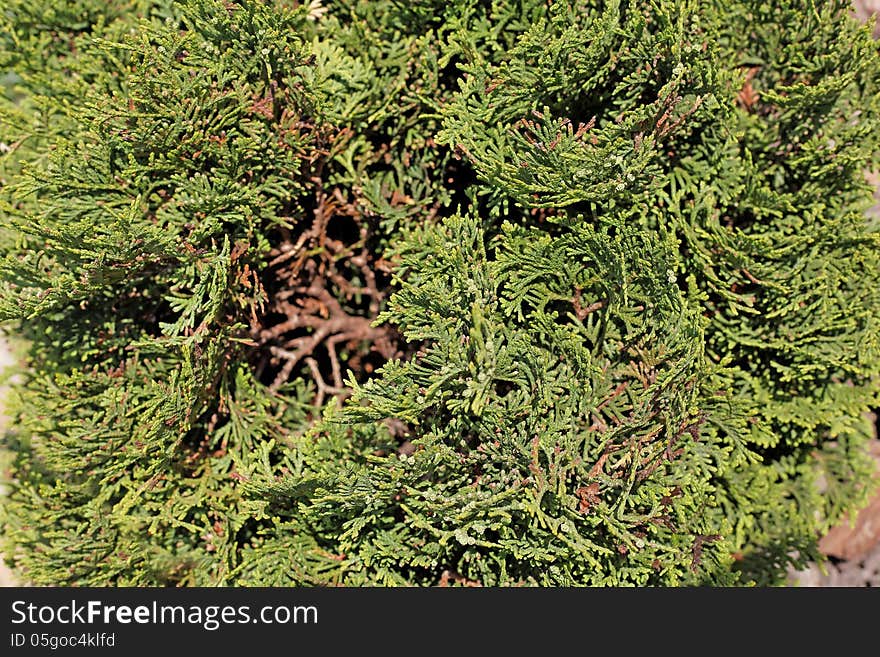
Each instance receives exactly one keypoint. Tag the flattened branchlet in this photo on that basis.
(435, 293)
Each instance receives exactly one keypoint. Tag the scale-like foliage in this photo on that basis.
(436, 293)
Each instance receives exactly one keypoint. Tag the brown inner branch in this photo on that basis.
(324, 294)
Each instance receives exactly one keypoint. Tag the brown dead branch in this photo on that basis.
(325, 295)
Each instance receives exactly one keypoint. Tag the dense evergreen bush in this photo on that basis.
(510, 292)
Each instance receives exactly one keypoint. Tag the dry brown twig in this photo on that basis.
(326, 297)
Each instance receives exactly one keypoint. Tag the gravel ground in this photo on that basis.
(864, 572)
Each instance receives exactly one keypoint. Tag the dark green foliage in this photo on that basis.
(421, 292)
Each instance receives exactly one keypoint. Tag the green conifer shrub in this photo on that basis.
(418, 293)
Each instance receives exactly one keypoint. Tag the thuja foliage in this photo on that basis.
(387, 293)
